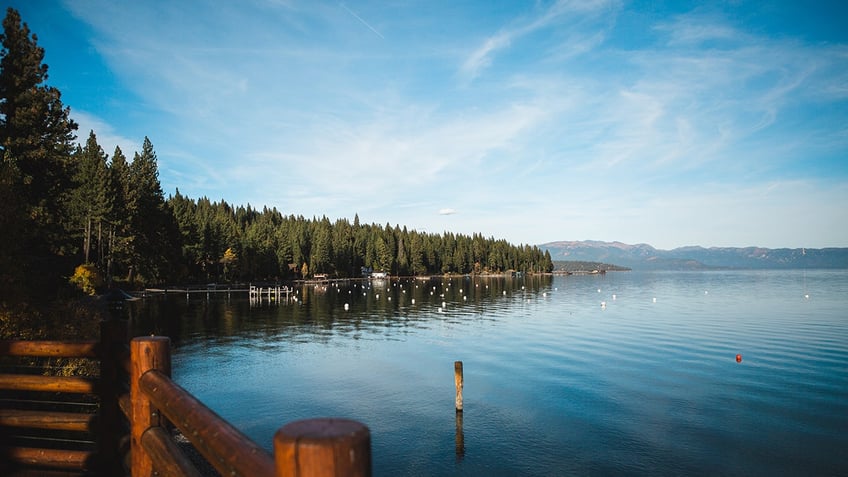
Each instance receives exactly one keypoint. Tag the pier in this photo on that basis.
(255, 293)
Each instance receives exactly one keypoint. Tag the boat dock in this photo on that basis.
(255, 293)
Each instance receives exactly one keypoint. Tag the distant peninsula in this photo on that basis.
(646, 257)
(580, 266)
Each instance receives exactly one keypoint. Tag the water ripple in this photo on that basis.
(556, 382)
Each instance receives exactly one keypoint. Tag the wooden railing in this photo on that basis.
(133, 427)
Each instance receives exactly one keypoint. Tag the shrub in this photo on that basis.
(87, 278)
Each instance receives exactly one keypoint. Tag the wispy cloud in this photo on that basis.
(107, 137)
(296, 105)
(562, 13)
(367, 25)
(695, 30)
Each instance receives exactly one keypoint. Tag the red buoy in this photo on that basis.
(738, 358)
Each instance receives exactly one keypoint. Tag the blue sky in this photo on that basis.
(667, 123)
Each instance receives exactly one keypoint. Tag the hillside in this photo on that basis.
(582, 266)
(646, 257)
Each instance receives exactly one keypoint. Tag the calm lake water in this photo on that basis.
(555, 383)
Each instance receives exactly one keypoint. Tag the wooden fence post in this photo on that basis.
(146, 353)
(324, 447)
(113, 340)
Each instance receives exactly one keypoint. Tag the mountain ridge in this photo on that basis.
(643, 256)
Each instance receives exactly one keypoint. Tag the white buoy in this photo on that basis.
(444, 305)
(504, 293)
(413, 301)
(613, 297)
(378, 296)
(347, 306)
(545, 294)
(603, 304)
(655, 299)
(599, 290)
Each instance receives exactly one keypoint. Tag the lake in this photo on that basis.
(628, 373)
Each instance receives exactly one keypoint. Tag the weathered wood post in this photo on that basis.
(323, 448)
(113, 344)
(458, 380)
(146, 353)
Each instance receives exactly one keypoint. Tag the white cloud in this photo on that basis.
(556, 117)
(563, 11)
(107, 137)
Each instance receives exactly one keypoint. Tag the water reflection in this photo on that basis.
(459, 437)
(556, 384)
(359, 309)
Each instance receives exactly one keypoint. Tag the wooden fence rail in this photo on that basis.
(139, 404)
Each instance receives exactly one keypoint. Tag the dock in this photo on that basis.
(255, 293)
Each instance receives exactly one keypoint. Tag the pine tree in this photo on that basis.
(118, 258)
(93, 199)
(321, 251)
(154, 234)
(36, 137)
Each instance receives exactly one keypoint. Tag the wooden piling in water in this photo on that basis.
(459, 381)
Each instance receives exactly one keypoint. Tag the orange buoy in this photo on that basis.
(738, 358)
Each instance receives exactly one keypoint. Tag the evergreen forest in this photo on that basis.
(70, 211)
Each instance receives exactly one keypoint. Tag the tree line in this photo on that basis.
(65, 205)
(242, 243)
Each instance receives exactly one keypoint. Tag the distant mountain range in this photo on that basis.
(646, 257)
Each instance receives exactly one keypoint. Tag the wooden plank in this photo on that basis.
(57, 458)
(42, 472)
(225, 447)
(168, 459)
(65, 421)
(58, 349)
(64, 384)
